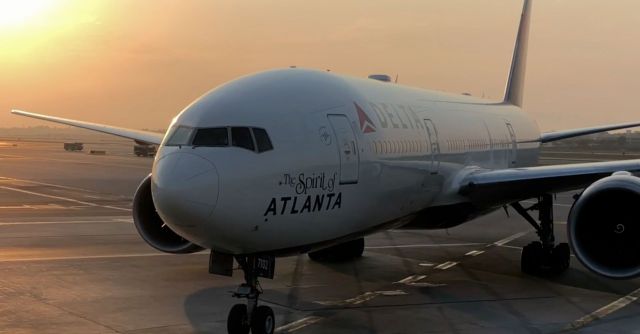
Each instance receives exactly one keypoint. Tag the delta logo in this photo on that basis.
(366, 125)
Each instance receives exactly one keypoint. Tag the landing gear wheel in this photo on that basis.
(237, 321)
(323, 255)
(263, 321)
(531, 259)
(560, 258)
(536, 260)
(544, 256)
(342, 252)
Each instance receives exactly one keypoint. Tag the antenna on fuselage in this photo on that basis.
(515, 84)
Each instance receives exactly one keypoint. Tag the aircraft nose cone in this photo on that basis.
(185, 188)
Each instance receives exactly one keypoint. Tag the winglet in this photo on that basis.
(515, 85)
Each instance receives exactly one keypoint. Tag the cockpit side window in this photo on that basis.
(262, 140)
(241, 137)
(211, 137)
(181, 136)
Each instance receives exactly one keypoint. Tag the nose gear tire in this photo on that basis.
(237, 321)
(263, 320)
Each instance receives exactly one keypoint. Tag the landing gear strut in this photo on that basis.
(251, 317)
(544, 256)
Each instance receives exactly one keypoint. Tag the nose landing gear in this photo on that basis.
(251, 317)
(544, 256)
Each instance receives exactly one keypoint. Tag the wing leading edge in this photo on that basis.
(142, 136)
(559, 135)
(499, 187)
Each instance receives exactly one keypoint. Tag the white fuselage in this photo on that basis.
(350, 156)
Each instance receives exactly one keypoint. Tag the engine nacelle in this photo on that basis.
(151, 227)
(604, 227)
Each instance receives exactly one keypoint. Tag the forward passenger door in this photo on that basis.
(433, 144)
(347, 148)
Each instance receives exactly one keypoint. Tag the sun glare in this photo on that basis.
(19, 12)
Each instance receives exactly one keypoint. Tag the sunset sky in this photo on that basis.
(137, 63)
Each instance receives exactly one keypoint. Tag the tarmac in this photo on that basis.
(71, 261)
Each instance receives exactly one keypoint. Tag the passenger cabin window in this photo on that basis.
(262, 140)
(241, 137)
(211, 137)
(181, 136)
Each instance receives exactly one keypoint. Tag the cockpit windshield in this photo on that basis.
(211, 137)
(252, 139)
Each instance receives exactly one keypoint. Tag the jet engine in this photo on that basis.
(604, 226)
(151, 227)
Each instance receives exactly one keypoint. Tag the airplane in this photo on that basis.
(292, 161)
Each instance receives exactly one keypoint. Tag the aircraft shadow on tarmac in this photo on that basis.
(305, 287)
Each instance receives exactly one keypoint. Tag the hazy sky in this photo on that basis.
(137, 63)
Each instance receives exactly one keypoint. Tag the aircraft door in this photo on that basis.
(514, 146)
(433, 144)
(347, 148)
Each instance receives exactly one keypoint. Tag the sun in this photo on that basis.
(19, 12)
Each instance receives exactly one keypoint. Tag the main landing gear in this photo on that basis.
(544, 256)
(251, 317)
(342, 252)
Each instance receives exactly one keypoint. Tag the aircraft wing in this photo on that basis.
(138, 135)
(559, 135)
(499, 187)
